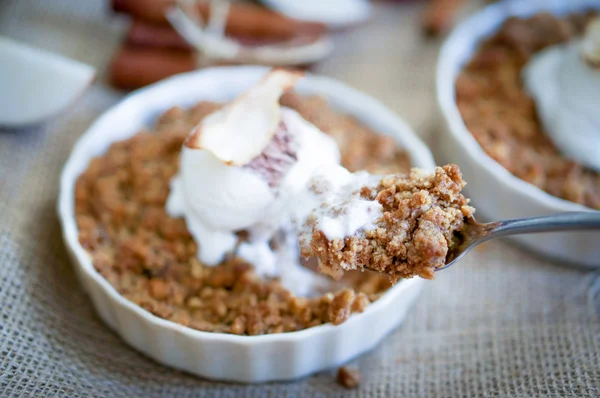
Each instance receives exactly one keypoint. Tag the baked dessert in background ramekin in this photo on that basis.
(493, 127)
(215, 355)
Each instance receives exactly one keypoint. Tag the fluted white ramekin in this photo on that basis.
(497, 194)
(216, 355)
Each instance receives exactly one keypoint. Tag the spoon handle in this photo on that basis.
(557, 222)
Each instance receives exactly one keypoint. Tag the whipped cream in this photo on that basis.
(564, 80)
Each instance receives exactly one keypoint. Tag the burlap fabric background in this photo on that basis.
(502, 323)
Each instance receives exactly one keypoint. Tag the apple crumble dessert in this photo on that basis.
(204, 221)
(153, 259)
(511, 109)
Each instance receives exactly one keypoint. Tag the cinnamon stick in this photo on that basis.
(243, 20)
(145, 34)
(135, 67)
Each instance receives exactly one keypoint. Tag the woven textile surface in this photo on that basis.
(502, 323)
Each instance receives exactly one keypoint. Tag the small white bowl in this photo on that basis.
(497, 194)
(216, 355)
(37, 84)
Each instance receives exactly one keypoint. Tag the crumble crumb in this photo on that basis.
(422, 213)
(348, 377)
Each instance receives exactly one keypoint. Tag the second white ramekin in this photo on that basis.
(225, 356)
(497, 194)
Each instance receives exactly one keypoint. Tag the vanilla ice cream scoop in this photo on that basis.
(564, 80)
(240, 169)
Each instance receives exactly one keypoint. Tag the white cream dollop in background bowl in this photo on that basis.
(565, 84)
(221, 356)
(497, 194)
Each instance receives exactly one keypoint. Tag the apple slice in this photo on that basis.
(37, 84)
(241, 130)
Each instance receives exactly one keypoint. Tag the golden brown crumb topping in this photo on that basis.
(421, 215)
(501, 115)
(151, 258)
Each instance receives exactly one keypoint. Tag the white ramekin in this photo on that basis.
(216, 355)
(496, 193)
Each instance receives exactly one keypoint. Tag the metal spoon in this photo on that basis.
(475, 233)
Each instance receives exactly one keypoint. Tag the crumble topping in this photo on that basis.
(502, 116)
(421, 215)
(150, 258)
